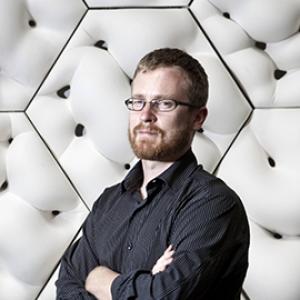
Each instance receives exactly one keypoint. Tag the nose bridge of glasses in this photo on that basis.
(150, 104)
(148, 113)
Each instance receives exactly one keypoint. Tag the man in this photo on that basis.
(169, 230)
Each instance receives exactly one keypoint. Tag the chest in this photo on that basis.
(134, 234)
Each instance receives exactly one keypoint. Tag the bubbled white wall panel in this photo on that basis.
(260, 42)
(40, 211)
(262, 49)
(263, 166)
(65, 70)
(32, 35)
(130, 3)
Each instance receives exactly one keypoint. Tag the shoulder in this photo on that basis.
(205, 191)
(107, 198)
(211, 184)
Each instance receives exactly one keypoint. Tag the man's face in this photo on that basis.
(156, 135)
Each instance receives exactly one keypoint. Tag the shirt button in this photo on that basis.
(129, 247)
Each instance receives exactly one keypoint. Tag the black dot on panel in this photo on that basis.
(10, 140)
(279, 74)
(271, 162)
(4, 186)
(79, 130)
(226, 15)
(55, 212)
(32, 23)
(261, 45)
(101, 44)
(277, 236)
(64, 92)
(127, 166)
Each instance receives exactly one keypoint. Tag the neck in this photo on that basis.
(152, 169)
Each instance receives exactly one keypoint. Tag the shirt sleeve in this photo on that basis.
(206, 236)
(76, 264)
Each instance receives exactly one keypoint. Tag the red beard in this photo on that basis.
(160, 150)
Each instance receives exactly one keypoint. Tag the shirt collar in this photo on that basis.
(134, 178)
(173, 176)
(180, 170)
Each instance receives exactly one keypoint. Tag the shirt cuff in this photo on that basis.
(124, 286)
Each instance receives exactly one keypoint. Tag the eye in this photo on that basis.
(166, 104)
(137, 103)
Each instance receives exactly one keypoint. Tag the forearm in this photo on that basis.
(75, 266)
(201, 259)
(70, 287)
(177, 282)
(99, 282)
(71, 281)
(78, 261)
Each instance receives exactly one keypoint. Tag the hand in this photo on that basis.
(99, 281)
(163, 261)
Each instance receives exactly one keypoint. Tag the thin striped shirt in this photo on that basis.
(185, 207)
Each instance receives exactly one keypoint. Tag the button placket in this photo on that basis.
(129, 246)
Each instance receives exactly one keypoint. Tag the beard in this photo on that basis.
(163, 150)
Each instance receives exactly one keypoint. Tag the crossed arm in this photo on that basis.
(201, 253)
(99, 280)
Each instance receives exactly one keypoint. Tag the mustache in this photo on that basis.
(152, 128)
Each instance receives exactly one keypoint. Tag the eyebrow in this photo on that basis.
(156, 97)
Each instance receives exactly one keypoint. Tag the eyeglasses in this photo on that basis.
(156, 104)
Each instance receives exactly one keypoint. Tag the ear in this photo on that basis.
(199, 117)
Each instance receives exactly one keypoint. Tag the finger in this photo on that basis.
(163, 261)
(169, 253)
(156, 269)
(161, 265)
(169, 248)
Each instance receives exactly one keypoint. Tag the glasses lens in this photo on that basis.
(137, 104)
(166, 105)
(134, 104)
(161, 105)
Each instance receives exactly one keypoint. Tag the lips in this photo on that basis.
(145, 131)
(142, 130)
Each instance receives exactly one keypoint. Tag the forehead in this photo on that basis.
(167, 81)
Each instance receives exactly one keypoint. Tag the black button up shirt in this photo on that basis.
(186, 207)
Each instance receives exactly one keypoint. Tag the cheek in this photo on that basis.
(177, 125)
(174, 124)
(169, 128)
(132, 121)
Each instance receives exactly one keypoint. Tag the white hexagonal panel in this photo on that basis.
(140, 3)
(274, 266)
(265, 155)
(85, 92)
(32, 35)
(40, 211)
(260, 42)
(263, 166)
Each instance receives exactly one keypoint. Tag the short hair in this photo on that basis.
(169, 57)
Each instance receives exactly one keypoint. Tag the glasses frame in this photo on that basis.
(158, 101)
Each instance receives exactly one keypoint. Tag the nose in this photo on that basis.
(147, 113)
